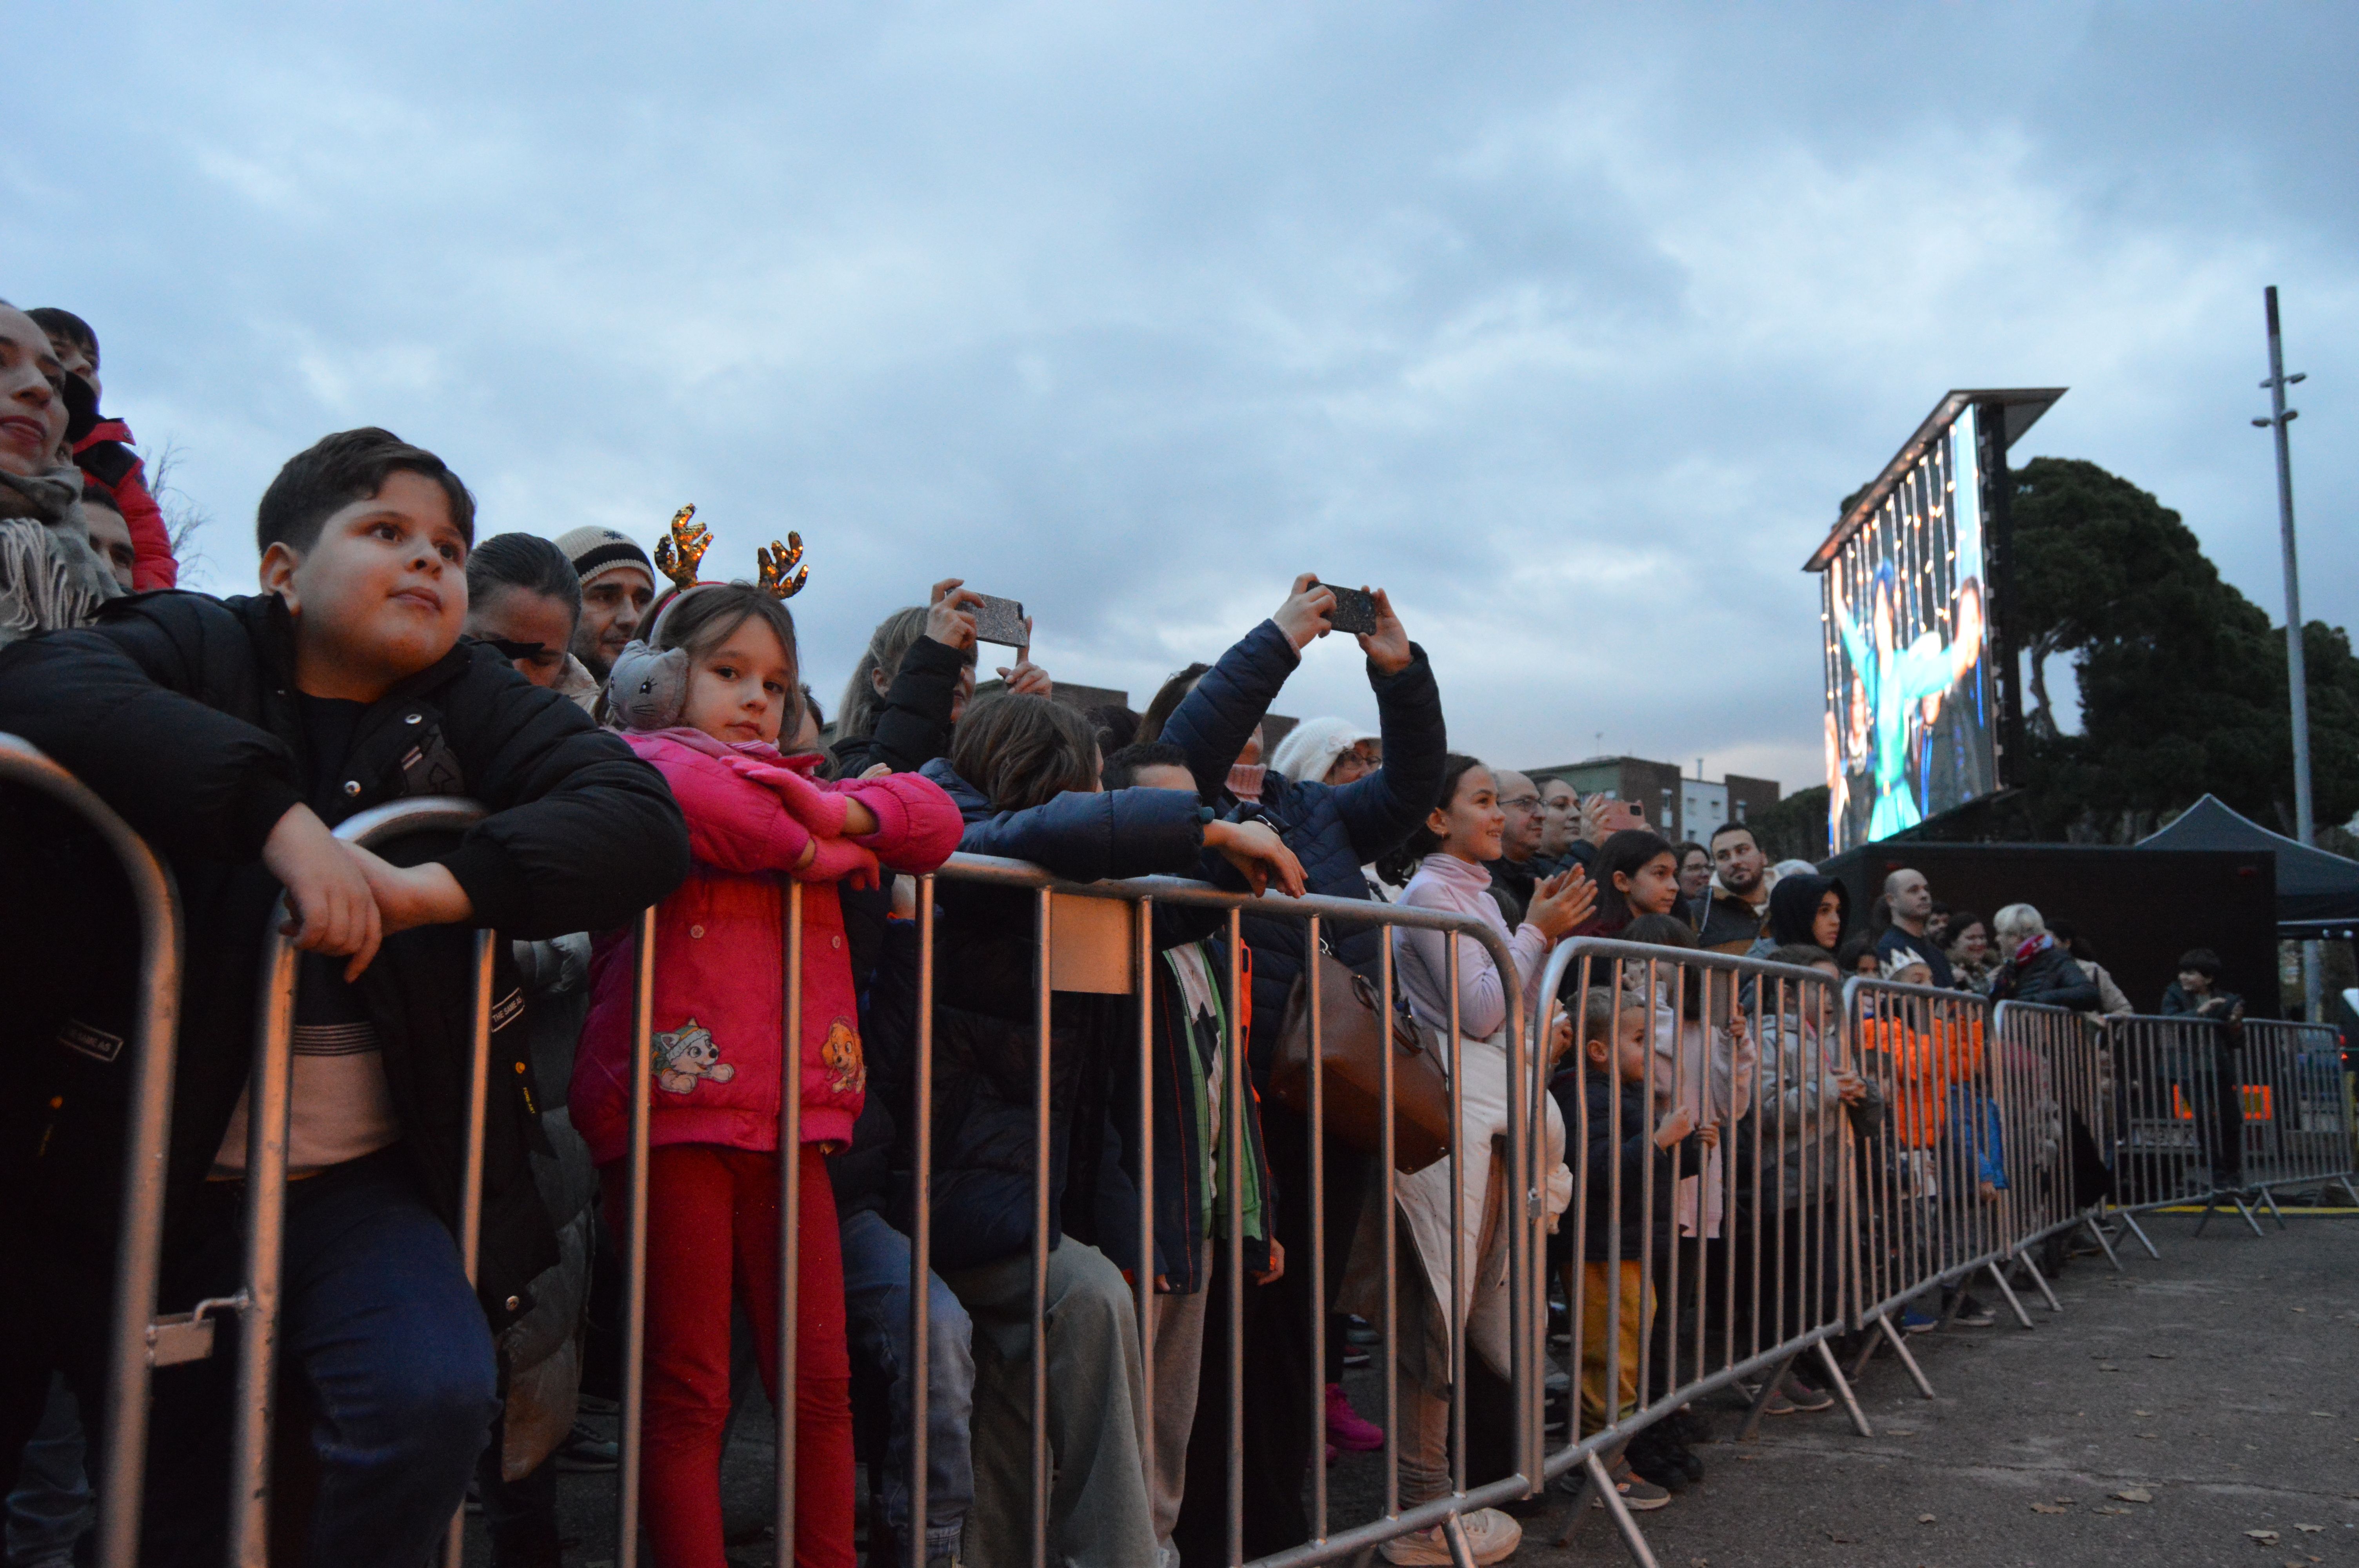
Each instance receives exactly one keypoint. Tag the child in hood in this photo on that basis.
(705, 706)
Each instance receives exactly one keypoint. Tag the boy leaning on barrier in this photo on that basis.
(1625, 1127)
(233, 735)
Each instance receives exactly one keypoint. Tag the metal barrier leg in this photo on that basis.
(2349, 1191)
(1453, 1535)
(1769, 1385)
(2145, 1240)
(1998, 1276)
(2039, 1279)
(1843, 1387)
(1633, 1540)
(2276, 1213)
(1908, 1359)
(2250, 1218)
(470, 1179)
(2096, 1228)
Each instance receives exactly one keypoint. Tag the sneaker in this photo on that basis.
(1347, 1428)
(1650, 1456)
(583, 1452)
(1361, 1331)
(1971, 1313)
(1779, 1404)
(1491, 1535)
(1914, 1322)
(1803, 1397)
(1638, 1494)
(1355, 1359)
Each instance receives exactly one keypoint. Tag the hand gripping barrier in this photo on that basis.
(1105, 937)
(1758, 1271)
(138, 1341)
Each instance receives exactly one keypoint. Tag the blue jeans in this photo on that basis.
(383, 1331)
(877, 1302)
(50, 1508)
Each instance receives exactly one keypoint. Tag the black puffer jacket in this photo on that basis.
(913, 728)
(986, 1031)
(1332, 829)
(181, 711)
(2049, 977)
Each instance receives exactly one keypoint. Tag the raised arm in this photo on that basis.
(1379, 811)
(1213, 722)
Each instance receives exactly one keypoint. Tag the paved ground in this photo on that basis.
(2221, 1382)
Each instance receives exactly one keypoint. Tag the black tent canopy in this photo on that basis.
(2318, 892)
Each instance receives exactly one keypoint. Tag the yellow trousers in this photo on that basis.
(1619, 1313)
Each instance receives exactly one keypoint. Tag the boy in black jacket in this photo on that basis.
(234, 736)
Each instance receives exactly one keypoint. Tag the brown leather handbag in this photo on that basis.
(1353, 1040)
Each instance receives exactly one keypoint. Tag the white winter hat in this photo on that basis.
(1311, 747)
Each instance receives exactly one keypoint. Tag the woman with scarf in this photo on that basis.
(49, 575)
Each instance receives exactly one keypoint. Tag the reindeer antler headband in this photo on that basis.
(781, 570)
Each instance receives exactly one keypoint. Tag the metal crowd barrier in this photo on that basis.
(1750, 1282)
(2173, 1141)
(2293, 1109)
(136, 1335)
(1100, 937)
(1933, 1191)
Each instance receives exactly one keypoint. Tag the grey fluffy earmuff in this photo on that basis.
(647, 689)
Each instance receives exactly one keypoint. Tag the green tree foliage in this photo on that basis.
(2182, 677)
(1796, 828)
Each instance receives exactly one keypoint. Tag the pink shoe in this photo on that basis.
(1346, 1428)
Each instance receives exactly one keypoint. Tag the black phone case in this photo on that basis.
(1355, 611)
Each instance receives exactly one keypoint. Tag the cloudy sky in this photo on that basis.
(1570, 325)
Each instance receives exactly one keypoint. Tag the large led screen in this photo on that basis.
(1911, 721)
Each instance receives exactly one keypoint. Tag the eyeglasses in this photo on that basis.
(1522, 803)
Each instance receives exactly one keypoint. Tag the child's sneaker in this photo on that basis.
(1972, 1313)
(1491, 1535)
(1347, 1428)
(1638, 1494)
(1804, 1397)
(1915, 1322)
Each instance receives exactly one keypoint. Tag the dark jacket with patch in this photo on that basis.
(2050, 977)
(1332, 829)
(987, 1034)
(181, 711)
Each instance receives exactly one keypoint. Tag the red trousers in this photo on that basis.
(713, 1238)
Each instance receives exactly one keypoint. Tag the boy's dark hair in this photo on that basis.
(1660, 930)
(1023, 750)
(1848, 955)
(1120, 770)
(2202, 960)
(1167, 698)
(338, 470)
(1597, 1013)
(522, 560)
(1116, 726)
(65, 324)
(99, 495)
(1744, 828)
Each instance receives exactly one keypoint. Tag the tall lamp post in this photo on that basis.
(2297, 678)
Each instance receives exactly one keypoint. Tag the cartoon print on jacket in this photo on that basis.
(847, 1071)
(686, 1055)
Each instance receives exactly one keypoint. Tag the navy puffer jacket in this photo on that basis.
(1332, 829)
(985, 1033)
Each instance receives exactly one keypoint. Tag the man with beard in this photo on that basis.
(619, 583)
(1739, 895)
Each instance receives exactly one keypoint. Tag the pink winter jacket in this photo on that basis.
(720, 997)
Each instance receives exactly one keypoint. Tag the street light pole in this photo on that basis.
(2296, 677)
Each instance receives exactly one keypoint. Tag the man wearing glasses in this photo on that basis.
(1516, 869)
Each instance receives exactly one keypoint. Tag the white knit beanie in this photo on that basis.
(1311, 747)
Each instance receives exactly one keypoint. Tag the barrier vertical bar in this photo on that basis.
(1453, 1313)
(1143, 982)
(790, 1190)
(1312, 946)
(634, 1241)
(1233, 1111)
(1041, 1172)
(921, 1230)
(156, 897)
(266, 1213)
(1387, 1154)
(470, 1179)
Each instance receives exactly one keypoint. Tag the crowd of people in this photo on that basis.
(640, 734)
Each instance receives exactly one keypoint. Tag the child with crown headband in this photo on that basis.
(704, 701)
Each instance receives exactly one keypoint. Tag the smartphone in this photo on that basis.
(1616, 815)
(1000, 621)
(1355, 609)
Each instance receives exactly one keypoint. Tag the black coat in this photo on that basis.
(1332, 829)
(2049, 977)
(986, 1036)
(180, 710)
(913, 728)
